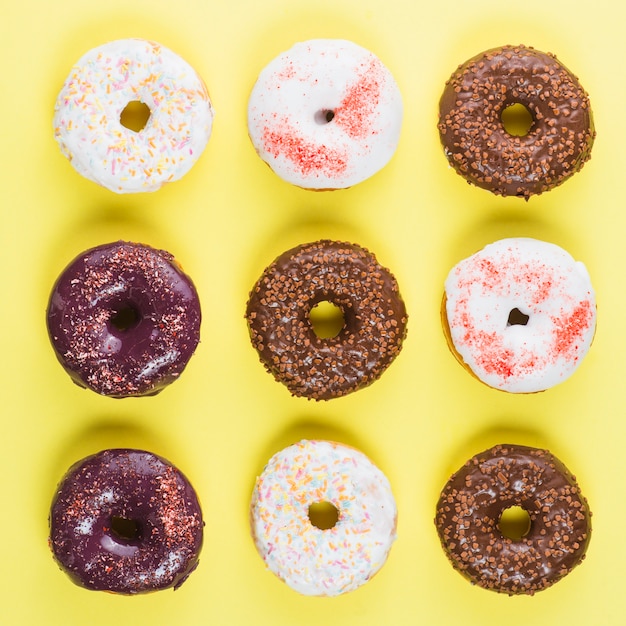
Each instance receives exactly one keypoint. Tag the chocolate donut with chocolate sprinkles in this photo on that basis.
(470, 511)
(124, 319)
(479, 146)
(126, 521)
(373, 319)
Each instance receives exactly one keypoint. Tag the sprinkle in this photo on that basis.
(308, 157)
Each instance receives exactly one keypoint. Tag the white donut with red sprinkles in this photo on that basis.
(88, 116)
(325, 114)
(520, 314)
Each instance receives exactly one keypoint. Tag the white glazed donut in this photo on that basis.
(313, 561)
(103, 82)
(521, 314)
(326, 114)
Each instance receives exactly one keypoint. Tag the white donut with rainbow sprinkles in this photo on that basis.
(520, 314)
(325, 114)
(323, 559)
(100, 87)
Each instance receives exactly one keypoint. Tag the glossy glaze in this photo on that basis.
(475, 140)
(278, 315)
(472, 502)
(150, 494)
(162, 329)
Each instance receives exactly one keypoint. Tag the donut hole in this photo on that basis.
(514, 523)
(125, 318)
(517, 119)
(327, 319)
(125, 530)
(517, 318)
(323, 515)
(135, 115)
(324, 116)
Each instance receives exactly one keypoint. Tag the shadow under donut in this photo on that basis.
(308, 224)
(496, 225)
(101, 224)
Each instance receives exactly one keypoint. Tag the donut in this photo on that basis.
(474, 137)
(279, 319)
(88, 122)
(124, 319)
(469, 515)
(327, 559)
(126, 521)
(325, 114)
(520, 314)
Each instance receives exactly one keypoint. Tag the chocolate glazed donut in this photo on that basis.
(476, 142)
(126, 521)
(124, 319)
(281, 330)
(471, 505)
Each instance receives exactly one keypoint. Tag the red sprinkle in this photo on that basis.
(308, 157)
(494, 358)
(571, 327)
(357, 109)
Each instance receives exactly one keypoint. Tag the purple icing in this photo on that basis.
(126, 521)
(124, 319)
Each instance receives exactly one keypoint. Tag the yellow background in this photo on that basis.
(225, 221)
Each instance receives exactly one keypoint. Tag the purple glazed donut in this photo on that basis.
(124, 319)
(126, 521)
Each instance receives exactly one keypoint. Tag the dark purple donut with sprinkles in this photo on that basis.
(281, 330)
(469, 520)
(478, 145)
(126, 521)
(124, 319)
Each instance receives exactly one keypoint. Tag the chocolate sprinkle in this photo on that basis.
(472, 502)
(159, 311)
(474, 138)
(152, 496)
(278, 316)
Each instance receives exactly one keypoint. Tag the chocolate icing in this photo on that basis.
(281, 330)
(472, 502)
(475, 141)
(159, 336)
(154, 498)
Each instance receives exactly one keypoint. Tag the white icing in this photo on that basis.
(102, 83)
(319, 562)
(168, 566)
(85, 526)
(286, 112)
(106, 497)
(544, 282)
